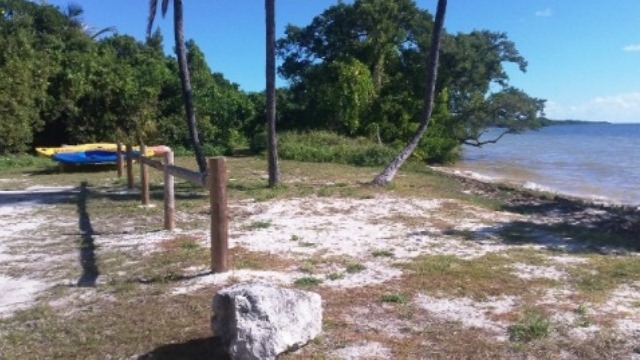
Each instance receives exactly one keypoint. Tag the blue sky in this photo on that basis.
(584, 56)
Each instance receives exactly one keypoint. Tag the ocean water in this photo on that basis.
(595, 161)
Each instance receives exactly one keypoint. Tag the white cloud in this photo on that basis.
(615, 108)
(632, 48)
(544, 13)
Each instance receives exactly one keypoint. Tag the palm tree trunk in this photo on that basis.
(185, 79)
(387, 175)
(272, 145)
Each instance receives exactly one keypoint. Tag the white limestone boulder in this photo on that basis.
(261, 321)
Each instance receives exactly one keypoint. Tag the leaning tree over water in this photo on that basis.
(387, 175)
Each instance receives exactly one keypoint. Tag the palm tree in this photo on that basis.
(185, 79)
(272, 145)
(74, 13)
(387, 175)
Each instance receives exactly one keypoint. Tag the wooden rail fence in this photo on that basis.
(215, 180)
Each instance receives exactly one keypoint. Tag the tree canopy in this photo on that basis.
(390, 39)
(357, 69)
(62, 84)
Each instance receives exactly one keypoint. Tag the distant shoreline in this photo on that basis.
(550, 122)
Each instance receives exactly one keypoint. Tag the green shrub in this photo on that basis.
(8, 162)
(258, 142)
(180, 150)
(213, 150)
(323, 146)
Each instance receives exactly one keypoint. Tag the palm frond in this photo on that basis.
(74, 11)
(110, 29)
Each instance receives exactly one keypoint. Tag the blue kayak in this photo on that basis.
(87, 157)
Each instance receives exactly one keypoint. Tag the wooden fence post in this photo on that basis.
(169, 194)
(119, 164)
(219, 216)
(129, 166)
(144, 177)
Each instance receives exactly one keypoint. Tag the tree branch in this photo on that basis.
(478, 143)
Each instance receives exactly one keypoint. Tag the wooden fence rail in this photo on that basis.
(215, 180)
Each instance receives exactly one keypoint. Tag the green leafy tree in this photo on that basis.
(22, 87)
(392, 39)
(511, 110)
(33, 39)
(341, 92)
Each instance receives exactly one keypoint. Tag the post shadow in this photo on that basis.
(87, 248)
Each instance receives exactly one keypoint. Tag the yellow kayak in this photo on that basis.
(50, 151)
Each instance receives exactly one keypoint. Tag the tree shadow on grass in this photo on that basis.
(566, 225)
(156, 193)
(170, 277)
(196, 349)
(27, 197)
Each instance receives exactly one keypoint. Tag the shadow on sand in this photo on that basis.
(196, 349)
(566, 225)
(87, 248)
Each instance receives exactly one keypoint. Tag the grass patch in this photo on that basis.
(533, 325)
(527, 256)
(259, 224)
(308, 267)
(307, 281)
(382, 253)
(355, 268)
(138, 325)
(12, 162)
(583, 319)
(242, 258)
(478, 278)
(335, 276)
(394, 298)
(604, 273)
(167, 265)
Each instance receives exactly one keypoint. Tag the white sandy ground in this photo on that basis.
(363, 350)
(308, 228)
(470, 313)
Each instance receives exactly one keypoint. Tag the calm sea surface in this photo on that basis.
(597, 161)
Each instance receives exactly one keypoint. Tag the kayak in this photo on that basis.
(50, 151)
(87, 157)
